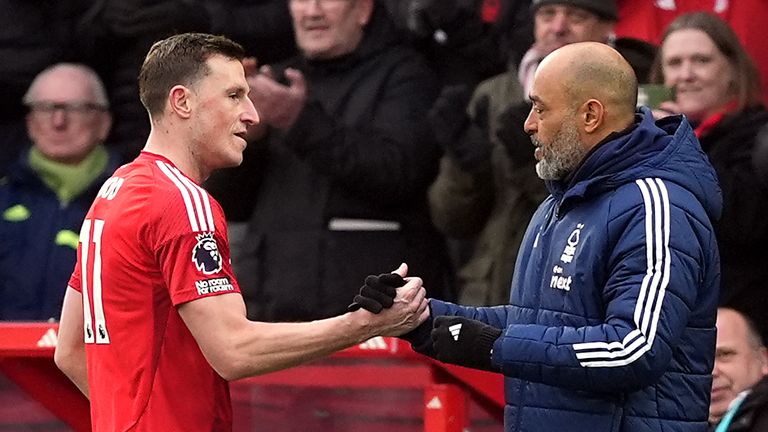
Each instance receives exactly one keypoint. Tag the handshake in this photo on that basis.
(450, 339)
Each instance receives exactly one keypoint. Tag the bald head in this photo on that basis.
(591, 70)
(581, 93)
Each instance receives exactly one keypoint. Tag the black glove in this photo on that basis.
(448, 115)
(472, 150)
(465, 140)
(464, 342)
(377, 293)
(511, 133)
(420, 339)
(136, 18)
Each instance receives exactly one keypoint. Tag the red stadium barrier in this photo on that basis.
(380, 385)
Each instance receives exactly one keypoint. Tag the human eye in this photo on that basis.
(236, 94)
(673, 62)
(546, 14)
(702, 59)
(43, 107)
(725, 355)
(577, 17)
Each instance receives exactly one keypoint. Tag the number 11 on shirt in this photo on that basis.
(90, 243)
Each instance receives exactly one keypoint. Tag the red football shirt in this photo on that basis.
(152, 240)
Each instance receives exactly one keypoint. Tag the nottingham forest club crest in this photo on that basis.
(206, 255)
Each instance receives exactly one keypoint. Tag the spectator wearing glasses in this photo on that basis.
(46, 193)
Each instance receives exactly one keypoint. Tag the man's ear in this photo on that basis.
(180, 101)
(763, 353)
(364, 12)
(105, 124)
(592, 115)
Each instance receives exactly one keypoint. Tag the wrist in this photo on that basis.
(484, 347)
(360, 325)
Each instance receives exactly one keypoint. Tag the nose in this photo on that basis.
(560, 23)
(59, 118)
(530, 125)
(686, 71)
(313, 8)
(716, 369)
(251, 115)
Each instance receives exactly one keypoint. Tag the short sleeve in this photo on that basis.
(74, 280)
(188, 237)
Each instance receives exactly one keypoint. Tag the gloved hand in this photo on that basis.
(420, 339)
(464, 342)
(136, 18)
(472, 150)
(511, 133)
(465, 140)
(448, 115)
(378, 293)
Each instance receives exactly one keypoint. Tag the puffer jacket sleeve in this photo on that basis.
(495, 316)
(654, 265)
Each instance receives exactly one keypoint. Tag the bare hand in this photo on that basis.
(278, 105)
(410, 308)
(665, 109)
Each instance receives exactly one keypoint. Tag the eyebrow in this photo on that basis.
(238, 89)
(534, 99)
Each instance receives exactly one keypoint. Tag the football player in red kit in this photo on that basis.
(153, 304)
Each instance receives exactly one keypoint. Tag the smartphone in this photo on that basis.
(652, 95)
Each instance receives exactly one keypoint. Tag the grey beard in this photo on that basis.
(562, 156)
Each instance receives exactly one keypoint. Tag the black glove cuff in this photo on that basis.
(420, 339)
(484, 348)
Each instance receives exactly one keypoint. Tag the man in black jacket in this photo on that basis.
(346, 158)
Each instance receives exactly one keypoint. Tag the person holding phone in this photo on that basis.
(717, 88)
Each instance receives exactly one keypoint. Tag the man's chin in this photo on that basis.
(545, 171)
(232, 161)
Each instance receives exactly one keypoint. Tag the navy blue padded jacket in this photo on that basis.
(611, 321)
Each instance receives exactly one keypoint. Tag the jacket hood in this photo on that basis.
(665, 149)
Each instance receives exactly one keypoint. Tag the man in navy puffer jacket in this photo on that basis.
(611, 321)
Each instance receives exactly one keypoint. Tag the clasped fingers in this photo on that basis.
(407, 292)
